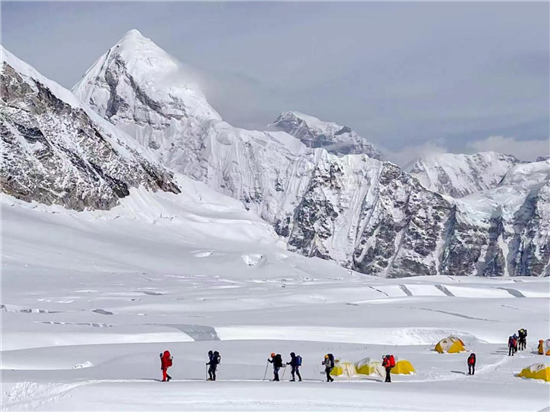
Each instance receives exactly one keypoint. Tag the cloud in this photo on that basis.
(522, 149)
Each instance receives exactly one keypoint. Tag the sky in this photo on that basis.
(413, 78)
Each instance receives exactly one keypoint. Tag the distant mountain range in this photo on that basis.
(134, 121)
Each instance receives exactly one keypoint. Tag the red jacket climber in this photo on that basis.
(165, 363)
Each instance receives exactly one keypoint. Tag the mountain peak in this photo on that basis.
(133, 40)
(136, 72)
(315, 133)
(133, 33)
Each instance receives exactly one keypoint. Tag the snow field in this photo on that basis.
(90, 300)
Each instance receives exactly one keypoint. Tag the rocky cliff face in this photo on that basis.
(55, 152)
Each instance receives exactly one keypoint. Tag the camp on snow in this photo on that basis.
(544, 347)
(450, 344)
(537, 371)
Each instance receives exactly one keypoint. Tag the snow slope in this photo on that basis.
(517, 214)
(314, 132)
(58, 151)
(458, 175)
(87, 307)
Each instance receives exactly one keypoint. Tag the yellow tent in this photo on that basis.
(403, 367)
(450, 345)
(537, 371)
(343, 368)
(544, 347)
(369, 366)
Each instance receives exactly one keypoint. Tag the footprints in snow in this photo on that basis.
(250, 259)
(254, 259)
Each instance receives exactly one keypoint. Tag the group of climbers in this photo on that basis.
(166, 361)
(214, 359)
(517, 341)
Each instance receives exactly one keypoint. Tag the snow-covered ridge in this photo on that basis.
(314, 133)
(458, 175)
(56, 150)
(30, 73)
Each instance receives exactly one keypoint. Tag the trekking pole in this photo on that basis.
(265, 373)
(284, 373)
(205, 372)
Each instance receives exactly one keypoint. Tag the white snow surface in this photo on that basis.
(458, 175)
(89, 300)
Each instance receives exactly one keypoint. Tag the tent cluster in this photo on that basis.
(370, 366)
(539, 370)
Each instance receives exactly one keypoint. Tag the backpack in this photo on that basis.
(331, 360)
(298, 360)
(217, 358)
(392, 361)
(278, 361)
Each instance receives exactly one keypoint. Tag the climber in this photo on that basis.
(388, 362)
(214, 360)
(512, 345)
(522, 334)
(295, 363)
(329, 366)
(165, 363)
(471, 364)
(277, 362)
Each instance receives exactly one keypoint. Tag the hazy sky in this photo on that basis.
(411, 77)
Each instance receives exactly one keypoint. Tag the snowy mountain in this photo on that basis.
(458, 175)
(58, 151)
(364, 213)
(335, 207)
(314, 133)
(512, 222)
